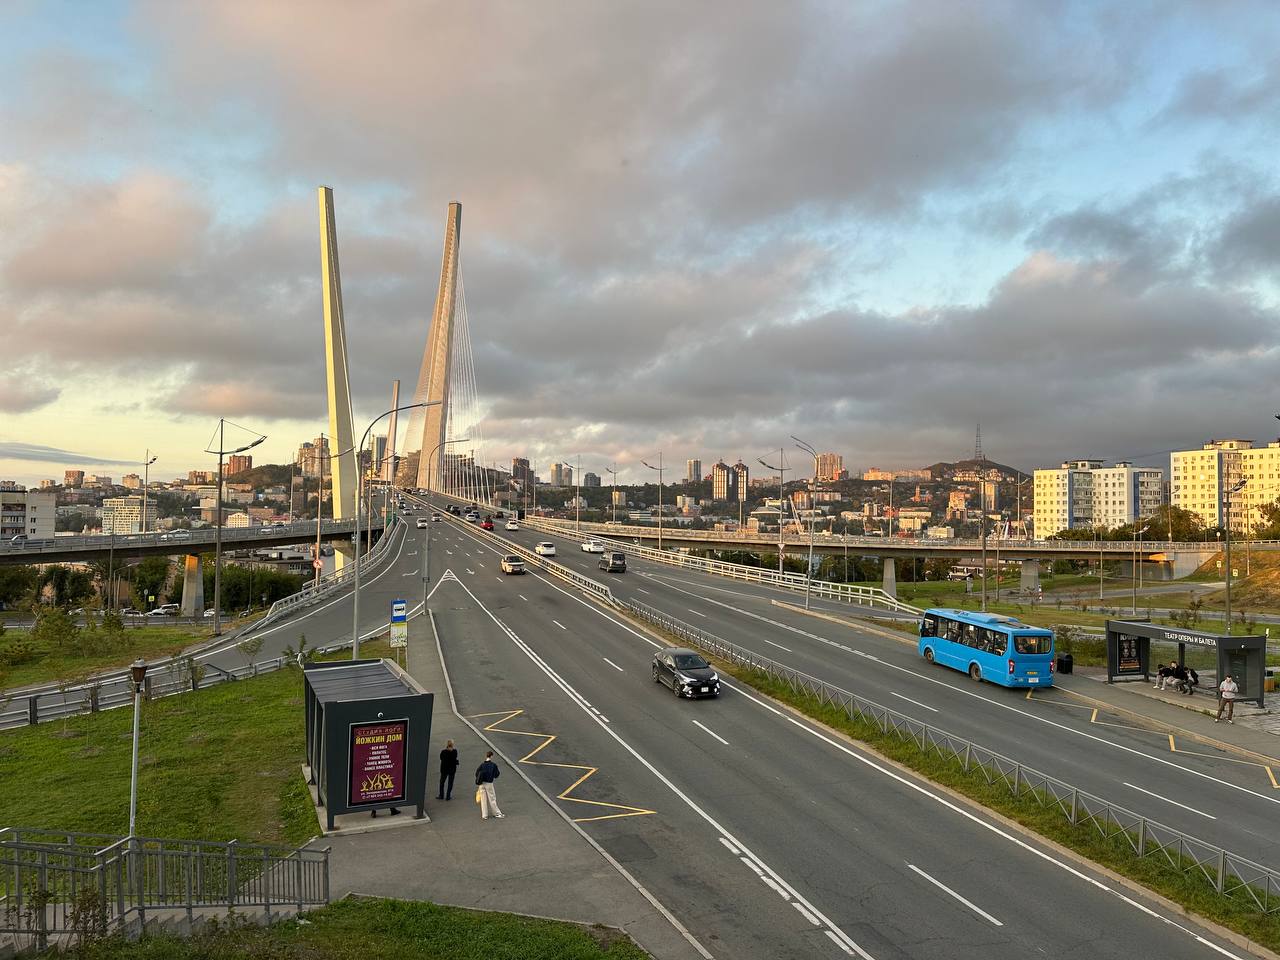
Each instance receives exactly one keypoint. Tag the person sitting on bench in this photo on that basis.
(1193, 681)
(1178, 680)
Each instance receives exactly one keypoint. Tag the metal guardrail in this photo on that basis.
(1230, 875)
(845, 592)
(1119, 547)
(76, 886)
(176, 674)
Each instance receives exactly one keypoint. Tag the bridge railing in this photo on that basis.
(749, 538)
(64, 887)
(1227, 873)
(845, 592)
(238, 536)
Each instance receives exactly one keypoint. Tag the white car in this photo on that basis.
(422, 523)
(512, 525)
(545, 549)
(593, 546)
(435, 518)
(473, 518)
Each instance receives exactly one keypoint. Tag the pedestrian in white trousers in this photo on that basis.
(486, 796)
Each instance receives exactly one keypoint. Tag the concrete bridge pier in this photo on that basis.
(192, 587)
(1030, 578)
(890, 585)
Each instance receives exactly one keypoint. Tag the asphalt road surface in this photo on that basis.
(765, 836)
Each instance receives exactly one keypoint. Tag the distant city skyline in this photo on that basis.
(1064, 229)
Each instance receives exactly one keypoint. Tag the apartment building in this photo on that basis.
(1086, 494)
(1201, 481)
(27, 512)
(829, 466)
(123, 515)
(692, 471)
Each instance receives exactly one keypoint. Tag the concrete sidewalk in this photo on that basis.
(531, 862)
(1252, 733)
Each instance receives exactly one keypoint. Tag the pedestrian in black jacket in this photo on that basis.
(486, 773)
(448, 767)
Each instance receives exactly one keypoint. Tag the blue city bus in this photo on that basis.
(988, 646)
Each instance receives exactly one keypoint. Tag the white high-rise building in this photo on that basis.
(124, 515)
(27, 512)
(1200, 481)
(692, 471)
(1084, 494)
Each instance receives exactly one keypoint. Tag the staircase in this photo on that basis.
(60, 888)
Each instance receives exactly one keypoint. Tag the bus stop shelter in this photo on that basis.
(1129, 653)
(368, 725)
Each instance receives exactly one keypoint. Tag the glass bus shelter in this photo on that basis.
(1129, 653)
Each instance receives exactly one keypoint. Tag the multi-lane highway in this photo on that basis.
(1199, 790)
(765, 836)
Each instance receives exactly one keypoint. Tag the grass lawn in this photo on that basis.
(370, 928)
(219, 764)
(147, 642)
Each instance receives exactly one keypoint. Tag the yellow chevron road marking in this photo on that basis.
(590, 771)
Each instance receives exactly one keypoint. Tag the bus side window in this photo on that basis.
(929, 626)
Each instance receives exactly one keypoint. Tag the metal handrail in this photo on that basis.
(1229, 874)
(75, 886)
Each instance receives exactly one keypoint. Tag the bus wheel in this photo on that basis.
(928, 654)
(975, 672)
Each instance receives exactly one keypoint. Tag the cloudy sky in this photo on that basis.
(694, 228)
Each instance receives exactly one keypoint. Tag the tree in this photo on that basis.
(55, 630)
(16, 583)
(149, 578)
(250, 647)
(67, 586)
(1268, 527)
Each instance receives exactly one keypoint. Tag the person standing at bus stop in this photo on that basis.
(448, 767)
(1227, 691)
(486, 773)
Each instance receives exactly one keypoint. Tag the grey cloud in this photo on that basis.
(22, 392)
(1250, 241)
(36, 453)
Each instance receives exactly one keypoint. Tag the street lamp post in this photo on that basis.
(813, 514)
(659, 469)
(1226, 557)
(217, 530)
(1137, 570)
(355, 588)
(137, 674)
(147, 461)
(613, 496)
(782, 486)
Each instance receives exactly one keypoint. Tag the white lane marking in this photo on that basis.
(776, 889)
(645, 592)
(837, 935)
(470, 571)
(977, 696)
(481, 564)
(805, 913)
(612, 664)
(943, 887)
(752, 865)
(1149, 793)
(696, 613)
(712, 732)
(559, 624)
(730, 847)
(411, 573)
(499, 579)
(778, 645)
(523, 597)
(814, 732)
(916, 702)
(448, 551)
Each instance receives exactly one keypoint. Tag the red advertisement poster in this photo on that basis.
(377, 762)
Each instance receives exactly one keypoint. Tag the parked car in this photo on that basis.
(158, 612)
(487, 525)
(545, 549)
(685, 672)
(512, 564)
(593, 546)
(20, 540)
(422, 523)
(208, 614)
(614, 562)
(130, 612)
(512, 525)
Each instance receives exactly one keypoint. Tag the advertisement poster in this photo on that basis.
(377, 762)
(1129, 661)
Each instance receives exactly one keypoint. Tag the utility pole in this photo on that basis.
(782, 486)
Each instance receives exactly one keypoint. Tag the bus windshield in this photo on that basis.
(1032, 643)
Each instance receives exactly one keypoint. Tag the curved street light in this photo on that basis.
(217, 535)
(813, 513)
(659, 468)
(782, 485)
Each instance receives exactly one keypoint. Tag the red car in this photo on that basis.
(487, 525)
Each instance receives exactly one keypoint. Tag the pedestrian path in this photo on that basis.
(532, 861)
